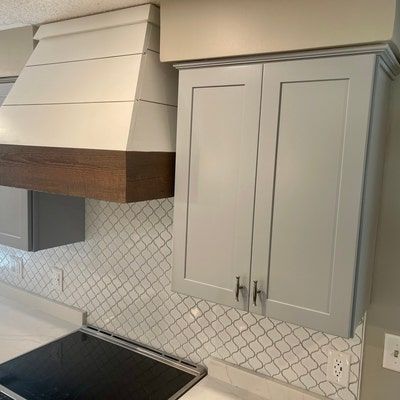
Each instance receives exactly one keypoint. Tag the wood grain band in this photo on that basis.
(109, 175)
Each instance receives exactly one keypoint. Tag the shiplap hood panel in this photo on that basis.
(93, 84)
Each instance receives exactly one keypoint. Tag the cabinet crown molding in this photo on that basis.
(383, 50)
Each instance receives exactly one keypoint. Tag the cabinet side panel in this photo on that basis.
(372, 191)
(58, 220)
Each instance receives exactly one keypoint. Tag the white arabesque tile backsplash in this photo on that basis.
(121, 276)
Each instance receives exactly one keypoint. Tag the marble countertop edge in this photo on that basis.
(35, 302)
(226, 381)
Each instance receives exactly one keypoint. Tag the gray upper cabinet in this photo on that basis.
(281, 188)
(35, 221)
(215, 175)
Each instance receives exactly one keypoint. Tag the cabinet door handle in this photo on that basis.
(238, 288)
(256, 292)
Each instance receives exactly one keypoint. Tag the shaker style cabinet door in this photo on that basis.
(313, 142)
(218, 124)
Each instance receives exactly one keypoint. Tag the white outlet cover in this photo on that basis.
(58, 279)
(16, 266)
(338, 368)
(392, 348)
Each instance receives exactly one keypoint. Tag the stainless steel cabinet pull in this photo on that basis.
(238, 287)
(256, 292)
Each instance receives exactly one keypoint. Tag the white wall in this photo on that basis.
(193, 29)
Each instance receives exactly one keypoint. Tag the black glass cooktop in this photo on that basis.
(82, 366)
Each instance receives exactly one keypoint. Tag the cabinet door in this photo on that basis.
(313, 140)
(15, 217)
(218, 123)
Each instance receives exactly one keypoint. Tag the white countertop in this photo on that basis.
(24, 327)
(212, 389)
(228, 382)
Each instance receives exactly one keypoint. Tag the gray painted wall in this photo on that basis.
(384, 312)
(16, 46)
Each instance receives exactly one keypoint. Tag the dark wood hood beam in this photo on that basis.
(110, 175)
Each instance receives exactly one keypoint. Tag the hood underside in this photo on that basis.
(93, 112)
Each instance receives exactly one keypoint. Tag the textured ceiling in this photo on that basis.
(36, 12)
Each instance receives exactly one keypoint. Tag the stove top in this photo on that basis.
(87, 365)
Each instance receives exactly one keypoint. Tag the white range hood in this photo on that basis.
(93, 85)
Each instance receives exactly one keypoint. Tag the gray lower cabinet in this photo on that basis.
(279, 168)
(35, 221)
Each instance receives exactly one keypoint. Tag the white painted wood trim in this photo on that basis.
(102, 43)
(102, 126)
(126, 16)
(153, 127)
(38, 303)
(153, 38)
(384, 50)
(157, 82)
(88, 81)
(101, 75)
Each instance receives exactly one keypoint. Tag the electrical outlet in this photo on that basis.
(57, 279)
(391, 353)
(16, 266)
(338, 368)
